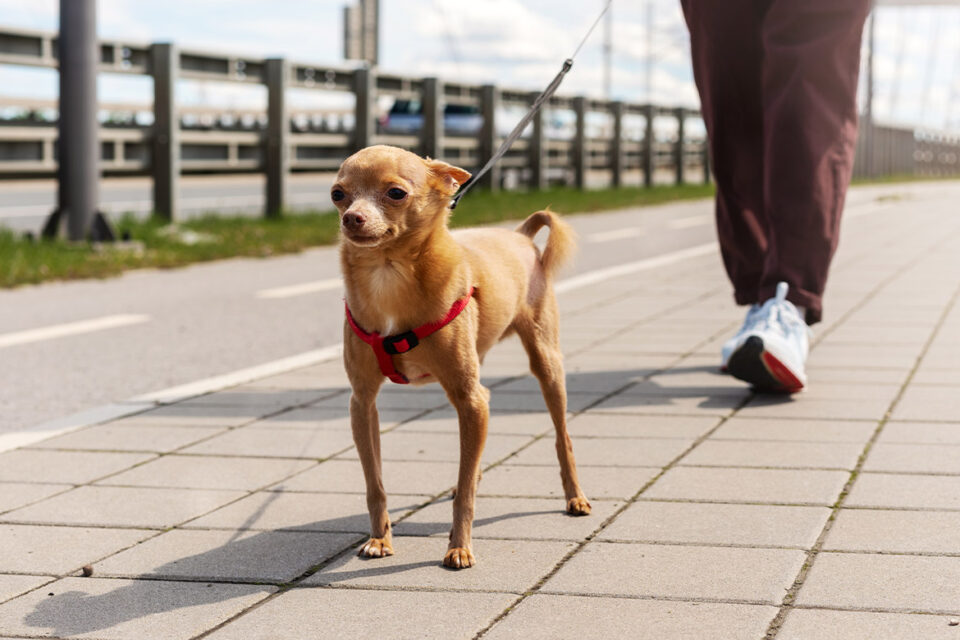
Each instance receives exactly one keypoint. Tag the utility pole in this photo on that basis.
(361, 31)
(78, 174)
(868, 107)
(648, 69)
(608, 54)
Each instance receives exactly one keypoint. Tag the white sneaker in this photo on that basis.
(771, 348)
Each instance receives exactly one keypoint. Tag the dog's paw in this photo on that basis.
(376, 548)
(578, 506)
(459, 558)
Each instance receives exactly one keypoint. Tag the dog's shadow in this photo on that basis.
(73, 613)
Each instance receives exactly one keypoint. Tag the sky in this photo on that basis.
(514, 43)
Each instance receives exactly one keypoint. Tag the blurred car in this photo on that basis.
(406, 116)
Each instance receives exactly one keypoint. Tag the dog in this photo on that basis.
(411, 282)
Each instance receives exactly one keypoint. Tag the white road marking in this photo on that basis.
(692, 221)
(232, 379)
(616, 234)
(301, 289)
(70, 329)
(599, 275)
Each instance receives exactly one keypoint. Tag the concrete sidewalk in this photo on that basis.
(717, 513)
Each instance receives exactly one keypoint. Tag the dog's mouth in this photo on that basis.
(365, 239)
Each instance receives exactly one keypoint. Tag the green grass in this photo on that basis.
(25, 261)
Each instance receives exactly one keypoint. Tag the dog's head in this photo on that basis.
(383, 193)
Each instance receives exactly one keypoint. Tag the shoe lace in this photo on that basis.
(778, 314)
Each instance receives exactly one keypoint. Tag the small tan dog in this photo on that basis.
(408, 277)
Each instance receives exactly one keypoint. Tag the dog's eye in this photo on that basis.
(337, 195)
(396, 194)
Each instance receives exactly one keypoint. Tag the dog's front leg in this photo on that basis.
(472, 402)
(365, 424)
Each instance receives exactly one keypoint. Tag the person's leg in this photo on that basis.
(726, 47)
(811, 54)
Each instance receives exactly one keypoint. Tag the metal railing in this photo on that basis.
(279, 144)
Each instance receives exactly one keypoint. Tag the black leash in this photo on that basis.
(537, 104)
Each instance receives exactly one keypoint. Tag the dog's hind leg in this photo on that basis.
(541, 340)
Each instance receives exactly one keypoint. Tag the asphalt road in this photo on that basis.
(148, 330)
(25, 204)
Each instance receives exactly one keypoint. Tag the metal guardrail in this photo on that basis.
(167, 148)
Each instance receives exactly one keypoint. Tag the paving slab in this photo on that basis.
(786, 407)
(733, 524)
(176, 415)
(327, 418)
(875, 581)
(73, 467)
(914, 458)
(520, 518)
(561, 617)
(269, 510)
(666, 404)
(276, 443)
(544, 481)
(12, 586)
(781, 430)
(628, 452)
(208, 472)
(18, 494)
(783, 486)
(122, 507)
(258, 399)
(861, 625)
(60, 550)
(731, 453)
(920, 433)
(117, 437)
(895, 531)
(600, 425)
(255, 556)
(400, 478)
(123, 609)
(440, 447)
(527, 423)
(905, 491)
(752, 575)
(355, 613)
(935, 403)
(502, 565)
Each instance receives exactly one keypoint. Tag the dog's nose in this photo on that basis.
(353, 221)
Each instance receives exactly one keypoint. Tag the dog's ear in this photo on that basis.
(450, 177)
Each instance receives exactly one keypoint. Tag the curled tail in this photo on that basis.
(561, 243)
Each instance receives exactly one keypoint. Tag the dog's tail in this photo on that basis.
(561, 243)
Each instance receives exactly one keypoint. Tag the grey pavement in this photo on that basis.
(718, 513)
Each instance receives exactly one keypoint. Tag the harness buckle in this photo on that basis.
(400, 343)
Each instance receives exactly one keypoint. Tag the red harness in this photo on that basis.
(387, 347)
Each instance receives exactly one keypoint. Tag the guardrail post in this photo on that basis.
(277, 152)
(580, 143)
(78, 170)
(538, 150)
(616, 145)
(365, 90)
(165, 65)
(679, 159)
(431, 131)
(649, 165)
(489, 104)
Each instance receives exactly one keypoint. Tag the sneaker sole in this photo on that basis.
(754, 364)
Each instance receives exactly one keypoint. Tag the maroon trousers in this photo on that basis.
(778, 83)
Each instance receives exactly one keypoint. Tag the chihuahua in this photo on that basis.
(411, 282)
